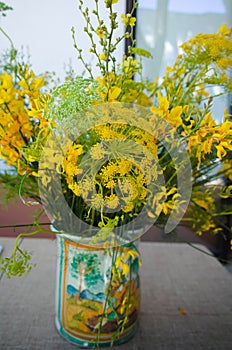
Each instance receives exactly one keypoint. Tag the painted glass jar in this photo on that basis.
(98, 292)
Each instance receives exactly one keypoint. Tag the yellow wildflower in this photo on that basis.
(221, 152)
(125, 268)
(124, 167)
(102, 56)
(130, 64)
(109, 171)
(163, 102)
(112, 201)
(113, 93)
(132, 253)
(128, 208)
(109, 184)
(86, 186)
(125, 187)
(123, 259)
(100, 32)
(174, 117)
(128, 20)
(224, 30)
(97, 201)
(75, 188)
(97, 151)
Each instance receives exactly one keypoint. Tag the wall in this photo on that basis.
(44, 28)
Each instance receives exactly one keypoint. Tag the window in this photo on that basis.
(163, 25)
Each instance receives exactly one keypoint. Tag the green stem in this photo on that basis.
(109, 40)
(25, 225)
(80, 54)
(8, 37)
(114, 256)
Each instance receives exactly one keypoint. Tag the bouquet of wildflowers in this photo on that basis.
(111, 153)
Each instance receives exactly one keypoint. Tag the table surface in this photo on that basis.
(174, 277)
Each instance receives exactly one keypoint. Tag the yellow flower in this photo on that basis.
(224, 30)
(208, 145)
(112, 201)
(110, 2)
(7, 81)
(97, 151)
(87, 185)
(125, 187)
(174, 117)
(35, 173)
(120, 264)
(18, 126)
(132, 253)
(102, 56)
(128, 20)
(128, 63)
(110, 184)
(97, 201)
(122, 260)
(114, 93)
(221, 152)
(128, 208)
(124, 166)
(75, 188)
(163, 105)
(125, 269)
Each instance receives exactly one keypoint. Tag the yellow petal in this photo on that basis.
(125, 269)
(223, 29)
(114, 93)
(221, 152)
(102, 56)
(182, 311)
(132, 253)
